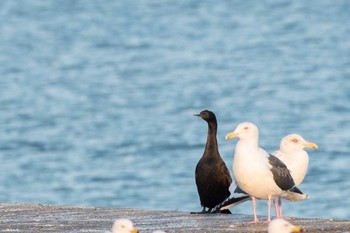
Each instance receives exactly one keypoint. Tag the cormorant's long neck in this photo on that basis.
(211, 148)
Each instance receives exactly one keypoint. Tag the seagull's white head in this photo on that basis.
(123, 225)
(282, 226)
(245, 131)
(295, 142)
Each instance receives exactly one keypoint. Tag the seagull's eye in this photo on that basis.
(122, 226)
(245, 128)
(295, 140)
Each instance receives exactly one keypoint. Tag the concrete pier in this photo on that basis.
(25, 218)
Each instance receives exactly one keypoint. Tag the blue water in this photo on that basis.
(97, 97)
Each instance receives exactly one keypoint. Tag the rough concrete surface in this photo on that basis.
(18, 217)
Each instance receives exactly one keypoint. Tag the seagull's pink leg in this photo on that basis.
(280, 207)
(269, 209)
(276, 208)
(256, 219)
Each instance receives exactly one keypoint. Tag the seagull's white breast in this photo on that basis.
(252, 171)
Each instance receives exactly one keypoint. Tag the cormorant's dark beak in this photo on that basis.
(198, 115)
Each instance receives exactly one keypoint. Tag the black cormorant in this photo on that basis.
(213, 179)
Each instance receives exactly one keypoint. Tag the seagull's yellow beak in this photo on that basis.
(134, 231)
(231, 135)
(311, 145)
(297, 229)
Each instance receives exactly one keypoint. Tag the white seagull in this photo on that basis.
(259, 174)
(282, 226)
(123, 225)
(293, 155)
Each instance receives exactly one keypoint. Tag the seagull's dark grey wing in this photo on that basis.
(281, 174)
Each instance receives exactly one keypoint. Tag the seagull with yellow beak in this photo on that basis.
(282, 226)
(293, 155)
(123, 225)
(259, 174)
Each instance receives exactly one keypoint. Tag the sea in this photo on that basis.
(97, 97)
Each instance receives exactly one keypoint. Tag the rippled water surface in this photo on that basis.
(97, 97)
